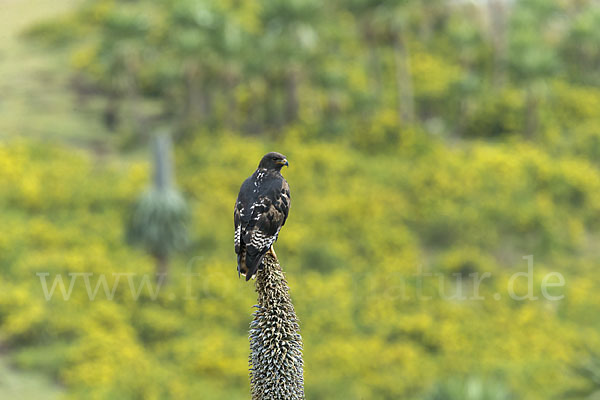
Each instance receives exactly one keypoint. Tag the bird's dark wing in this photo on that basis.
(269, 213)
(241, 216)
(285, 200)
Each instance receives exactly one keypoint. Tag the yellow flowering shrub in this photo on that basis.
(363, 228)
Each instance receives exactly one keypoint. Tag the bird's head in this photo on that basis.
(274, 161)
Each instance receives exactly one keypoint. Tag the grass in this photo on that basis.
(34, 99)
(16, 384)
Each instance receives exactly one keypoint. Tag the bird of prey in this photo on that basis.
(260, 211)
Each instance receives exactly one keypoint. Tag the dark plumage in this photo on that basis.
(260, 211)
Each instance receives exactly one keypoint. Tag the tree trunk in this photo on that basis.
(498, 17)
(276, 366)
(198, 99)
(373, 59)
(134, 114)
(134, 98)
(291, 96)
(405, 98)
(162, 268)
(110, 116)
(273, 116)
(531, 113)
(232, 112)
(375, 70)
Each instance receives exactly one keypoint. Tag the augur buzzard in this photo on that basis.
(260, 211)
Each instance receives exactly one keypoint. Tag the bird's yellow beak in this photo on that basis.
(284, 162)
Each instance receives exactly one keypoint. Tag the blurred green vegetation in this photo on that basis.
(445, 137)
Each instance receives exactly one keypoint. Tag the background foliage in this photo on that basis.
(446, 137)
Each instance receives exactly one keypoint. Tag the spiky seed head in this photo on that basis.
(276, 365)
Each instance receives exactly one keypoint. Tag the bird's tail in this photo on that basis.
(241, 263)
(249, 263)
